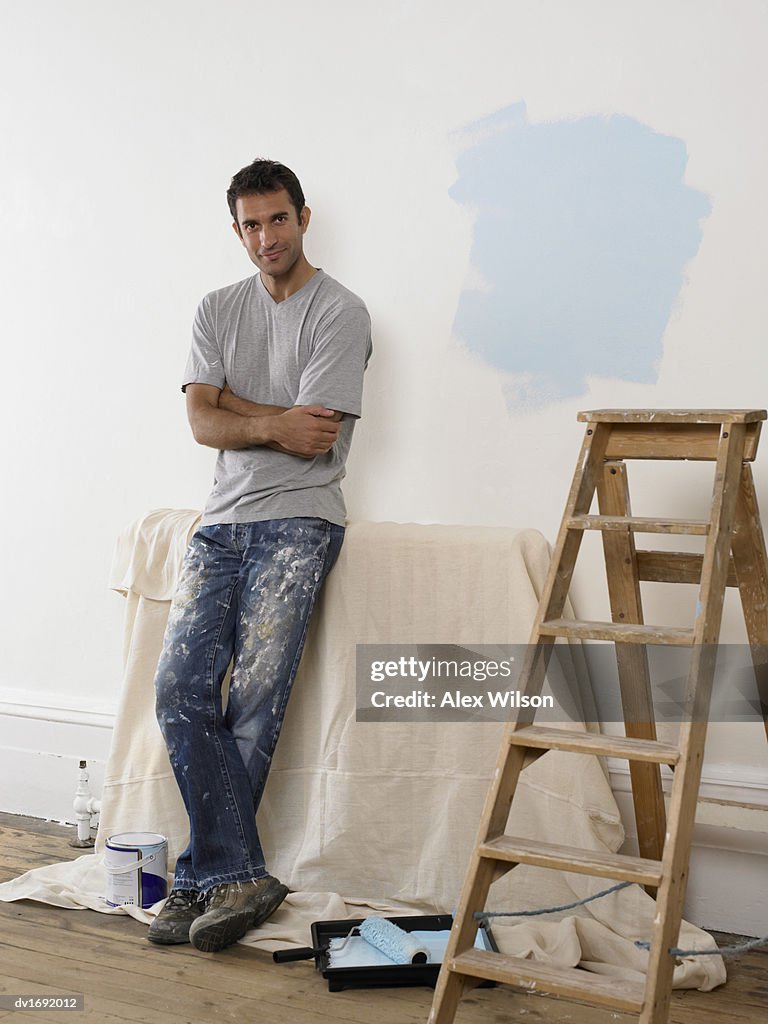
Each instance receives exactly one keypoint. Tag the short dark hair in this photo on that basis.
(264, 176)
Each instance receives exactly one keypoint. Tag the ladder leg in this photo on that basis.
(632, 660)
(480, 875)
(448, 993)
(566, 548)
(671, 895)
(568, 541)
(693, 732)
(751, 563)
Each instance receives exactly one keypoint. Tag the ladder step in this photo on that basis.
(541, 738)
(656, 417)
(620, 632)
(640, 524)
(572, 858)
(571, 982)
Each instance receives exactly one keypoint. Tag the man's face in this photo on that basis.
(271, 230)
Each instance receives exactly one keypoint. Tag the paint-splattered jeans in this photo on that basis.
(245, 595)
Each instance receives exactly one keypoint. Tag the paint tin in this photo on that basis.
(136, 864)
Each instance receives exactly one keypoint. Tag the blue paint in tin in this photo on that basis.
(136, 864)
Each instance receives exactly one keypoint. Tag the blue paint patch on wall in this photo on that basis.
(583, 230)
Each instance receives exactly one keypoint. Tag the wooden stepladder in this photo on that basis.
(734, 555)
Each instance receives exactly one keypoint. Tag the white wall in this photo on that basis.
(121, 127)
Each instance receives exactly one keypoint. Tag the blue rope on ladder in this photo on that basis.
(484, 915)
(742, 947)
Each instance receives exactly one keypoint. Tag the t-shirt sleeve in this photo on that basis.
(204, 365)
(333, 377)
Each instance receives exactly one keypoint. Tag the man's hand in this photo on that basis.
(305, 430)
(293, 443)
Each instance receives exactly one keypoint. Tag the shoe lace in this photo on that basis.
(180, 899)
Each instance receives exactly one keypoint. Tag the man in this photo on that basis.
(274, 381)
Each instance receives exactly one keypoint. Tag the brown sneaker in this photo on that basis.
(172, 924)
(234, 907)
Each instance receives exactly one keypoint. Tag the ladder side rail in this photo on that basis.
(481, 873)
(562, 563)
(692, 736)
(632, 660)
(566, 548)
(751, 563)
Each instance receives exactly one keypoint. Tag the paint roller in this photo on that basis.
(394, 942)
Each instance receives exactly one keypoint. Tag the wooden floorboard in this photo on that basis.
(47, 950)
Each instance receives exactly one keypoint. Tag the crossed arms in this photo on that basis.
(219, 419)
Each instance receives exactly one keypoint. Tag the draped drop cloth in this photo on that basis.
(378, 817)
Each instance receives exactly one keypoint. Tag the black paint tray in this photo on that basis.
(339, 978)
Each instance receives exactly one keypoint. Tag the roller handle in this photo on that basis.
(287, 956)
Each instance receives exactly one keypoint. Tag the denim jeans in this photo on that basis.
(245, 596)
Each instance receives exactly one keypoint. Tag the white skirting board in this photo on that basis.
(729, 861)
(41, 746)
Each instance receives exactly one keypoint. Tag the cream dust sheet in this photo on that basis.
(378, 817)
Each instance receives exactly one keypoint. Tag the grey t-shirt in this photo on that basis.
(310, 349)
